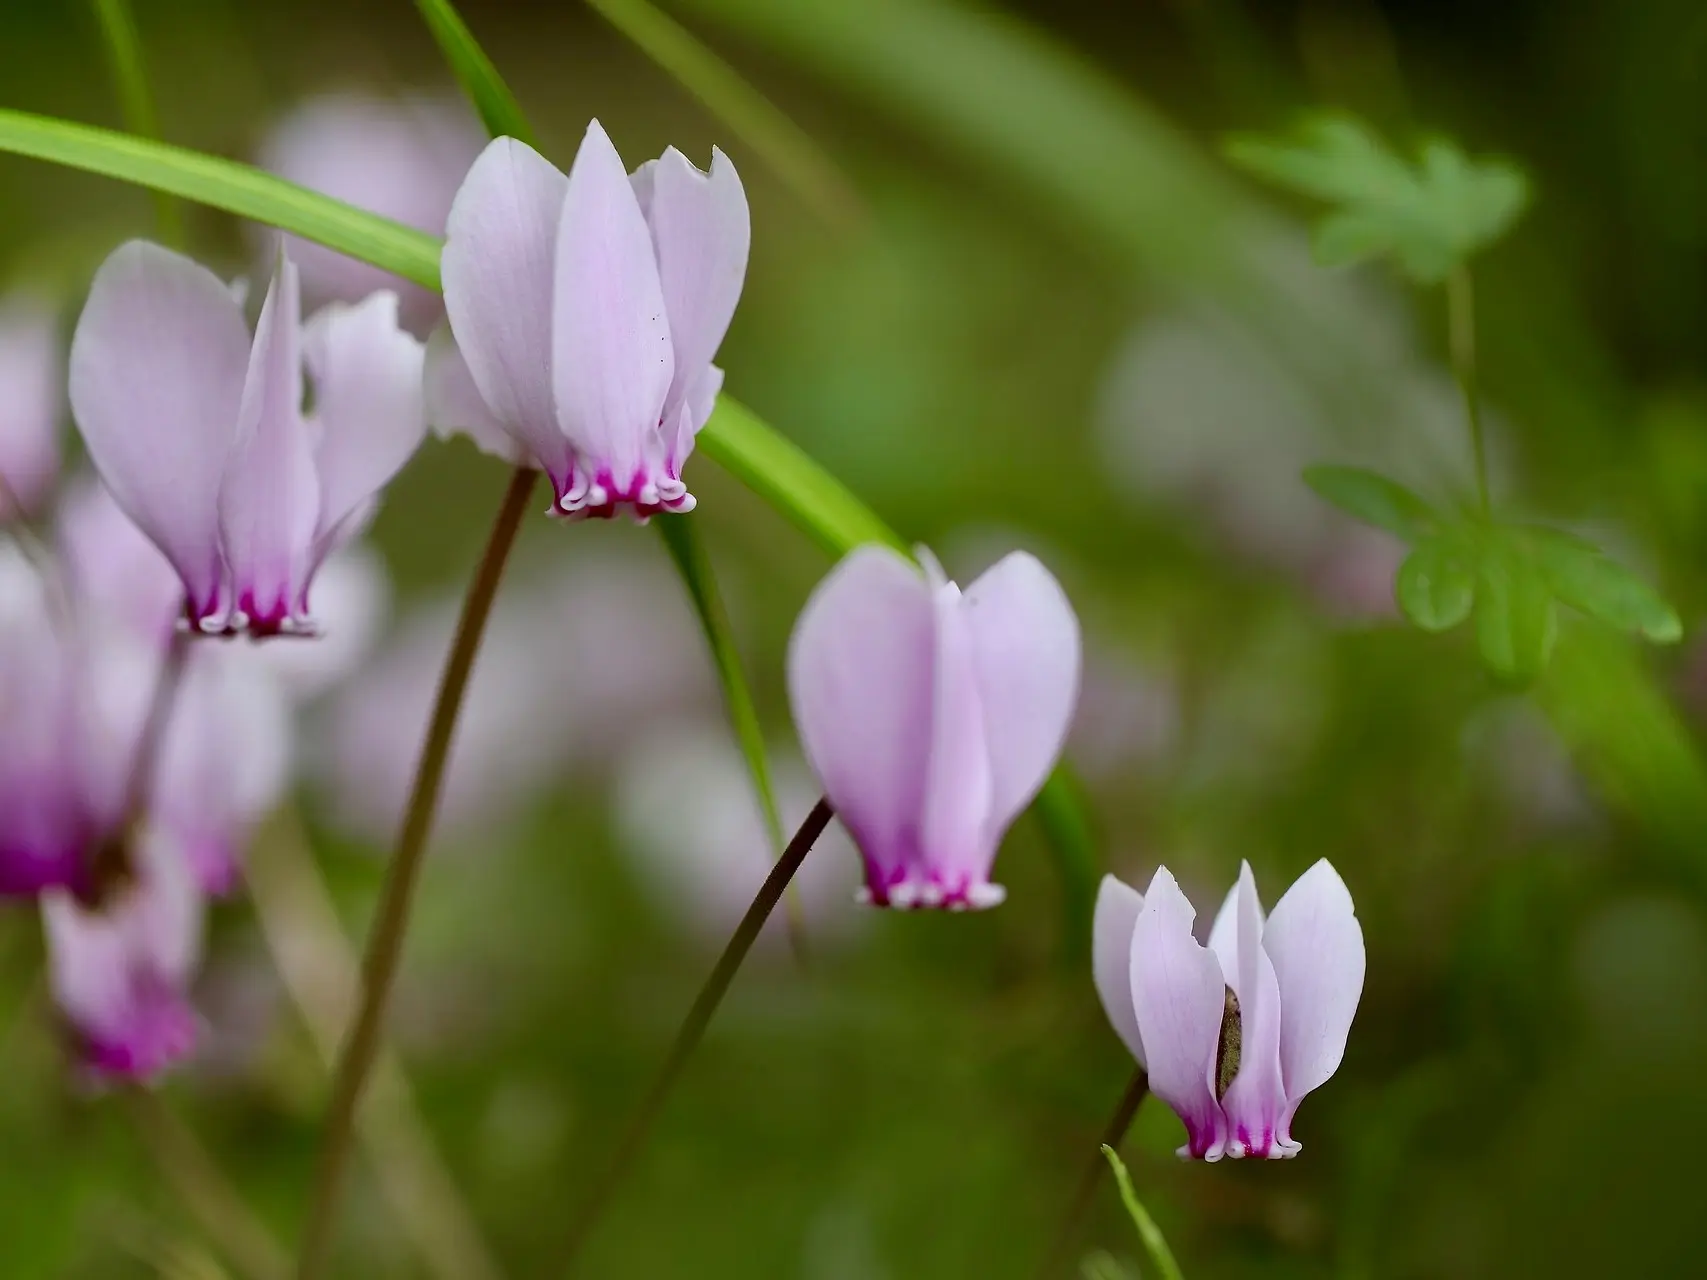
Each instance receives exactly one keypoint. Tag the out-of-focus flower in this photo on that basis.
(111, 568)
(120, 971)
(201, 437)
(624, 650)
(586, 312)
(932, 717)
(403, 158)
(1235, 1034)
(686, 809)
(32, 378)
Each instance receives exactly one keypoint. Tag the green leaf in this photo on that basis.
(1154, 1243)
(479, 79)
(1374, 499)
(1515, 620)
(1437, 584)
(1428, 216)
(1585, 579)
(226, 184)
(681, 538)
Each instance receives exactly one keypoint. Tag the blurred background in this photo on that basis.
(1016, 300)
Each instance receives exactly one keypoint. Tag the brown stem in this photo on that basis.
(694, 1025)
(1095, 1168)
(385, 941)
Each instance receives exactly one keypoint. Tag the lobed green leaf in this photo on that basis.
(1374, 499)
(1436, 584)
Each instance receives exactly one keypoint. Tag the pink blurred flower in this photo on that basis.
(932, 718)
(400, 158)
(120, 971)
(1235, 1034)
(32, 380)
(200, 435)
(586, 312)
(687, 812)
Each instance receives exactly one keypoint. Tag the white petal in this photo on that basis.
(454, 404)
(498, 267)
(958, 843)
(1316, 945)
(1255, 1102)
(157, 371)
(1118, 905)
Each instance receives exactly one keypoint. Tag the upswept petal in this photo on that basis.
(1118, 905)
(270, 501)
(957, 845)
(454, 404)
(1256, 1100)
(701, 231)
(1178, 996)
(157, 371)
(368, 403)
(859, 682)
(498, 265)
(32, 370)
(1316, 945)
(610, 332)
(1224, 934)
(696, 411)
(1025, 639)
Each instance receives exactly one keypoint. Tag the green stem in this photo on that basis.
(211, 1200)
(136, 103)
(385, 941)
(1154, 1243)
(1461, 342)
(1112, 1135)
(693, 1026)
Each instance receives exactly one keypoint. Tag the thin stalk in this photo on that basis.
(1083, 1196)
(693, 1026)
(136, 103)
(385, 940)
(1461, 343)
(1155, 1244)
(112, 864)
(318, 968)
(211, 1200)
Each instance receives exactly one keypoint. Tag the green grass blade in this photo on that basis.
(226, 184)
(136, 103)
(681, 537)
(753, 118)
(1148, 1231)
(498, 108)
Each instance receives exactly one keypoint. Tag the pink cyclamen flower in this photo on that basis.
(586, 312)
(1236, 1033)
(119, 972)
(930, 717)
(200, 435)
(32, 382)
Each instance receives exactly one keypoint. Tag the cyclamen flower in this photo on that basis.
(932, 717)
(119, 972)
(200, 435)
(586, 311)
(1235, 1034)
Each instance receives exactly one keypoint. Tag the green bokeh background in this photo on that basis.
(1521, 1095)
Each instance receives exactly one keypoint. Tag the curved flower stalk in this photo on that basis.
(1235, 1034)
(199, 432)
(402, 158)
(930, 716)
(586, 311)
(32, 371)
(119, 972)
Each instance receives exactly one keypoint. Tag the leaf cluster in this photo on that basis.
(1428, 216)
(1510, 576)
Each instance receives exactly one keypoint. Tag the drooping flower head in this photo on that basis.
(32, 394)
(1235, 1034)
(120, 971)
(586, 311)
(932, 717)
(200, 433)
